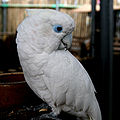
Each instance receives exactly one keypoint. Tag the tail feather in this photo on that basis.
(94, 111)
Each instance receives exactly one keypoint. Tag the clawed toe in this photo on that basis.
(49, 116)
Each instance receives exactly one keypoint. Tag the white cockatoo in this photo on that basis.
(50, 70)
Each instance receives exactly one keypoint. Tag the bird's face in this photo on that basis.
(52, 30)
(65, 39)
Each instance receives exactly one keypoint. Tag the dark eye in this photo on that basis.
(57, 28)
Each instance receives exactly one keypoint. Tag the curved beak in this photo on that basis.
(66, 42)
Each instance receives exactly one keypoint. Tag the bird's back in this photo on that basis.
(70, 84)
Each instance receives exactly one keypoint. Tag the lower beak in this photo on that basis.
(66, 42)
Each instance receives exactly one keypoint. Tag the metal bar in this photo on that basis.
(4, 20)
(57, 4)
(93, 28)
(106, 54)
(39, 6)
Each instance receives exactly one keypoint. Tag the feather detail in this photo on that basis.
(56, 76)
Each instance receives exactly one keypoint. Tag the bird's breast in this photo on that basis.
(61, 56)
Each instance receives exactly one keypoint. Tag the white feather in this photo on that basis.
(56, 76)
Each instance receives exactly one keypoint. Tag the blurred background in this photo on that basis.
(96, 44)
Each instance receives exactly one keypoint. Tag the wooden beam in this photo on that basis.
(87, 8)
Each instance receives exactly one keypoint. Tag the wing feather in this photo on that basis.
(66, 78)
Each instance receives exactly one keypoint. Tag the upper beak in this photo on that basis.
(66, 42)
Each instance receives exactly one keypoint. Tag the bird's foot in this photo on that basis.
(84, 118)
(49, 116)
(41, 107)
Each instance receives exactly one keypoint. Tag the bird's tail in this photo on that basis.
(94, 112)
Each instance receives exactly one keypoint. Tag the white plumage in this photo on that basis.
(51, 71)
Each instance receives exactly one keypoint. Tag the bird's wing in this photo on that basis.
(65, 77)
(55, 78)
(70, 85)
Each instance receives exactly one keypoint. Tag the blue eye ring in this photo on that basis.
(57, 28)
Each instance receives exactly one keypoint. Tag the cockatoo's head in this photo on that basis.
(46, 30)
